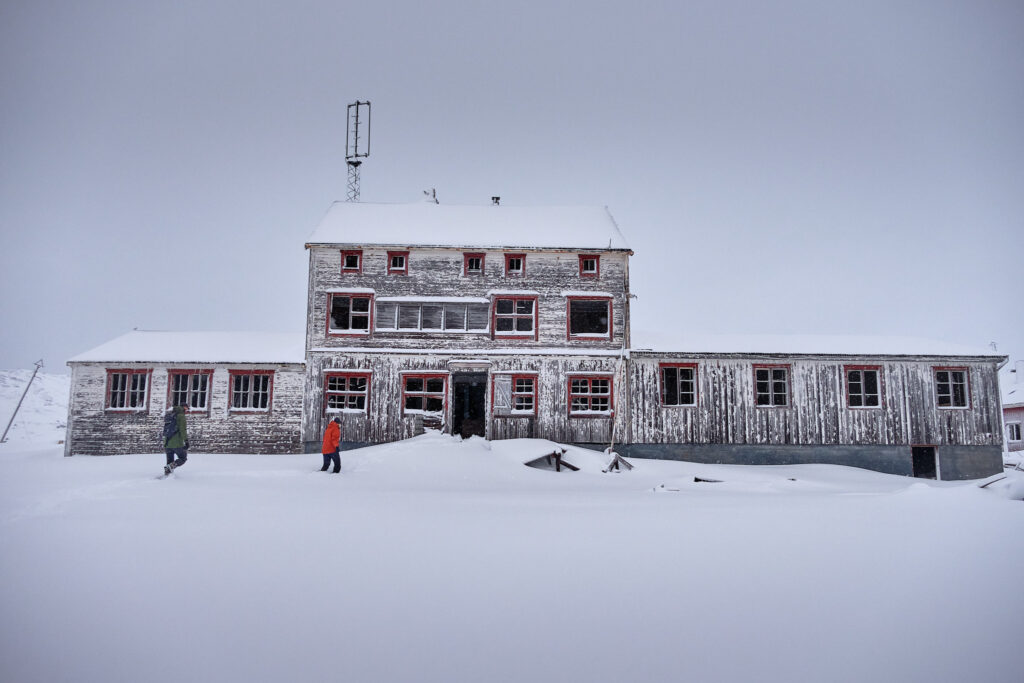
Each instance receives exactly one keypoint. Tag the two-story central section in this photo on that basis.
(495, 321)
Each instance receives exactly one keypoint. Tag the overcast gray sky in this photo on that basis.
(778, 167)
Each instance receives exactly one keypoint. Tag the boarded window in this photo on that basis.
(589, 317)
(432, 317)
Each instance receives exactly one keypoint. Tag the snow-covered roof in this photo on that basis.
(814, 345)
(441, 225)
(143, 346)
(1013, 393)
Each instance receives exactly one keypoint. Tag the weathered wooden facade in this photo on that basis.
(508, 322)
(242, 391)
(1013, 409)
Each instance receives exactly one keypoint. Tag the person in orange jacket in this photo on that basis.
(332, 445)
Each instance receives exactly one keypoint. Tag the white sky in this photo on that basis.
(779, 168)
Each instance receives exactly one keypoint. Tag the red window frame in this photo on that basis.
(597, 265)
(232, 374)
(522, 264)
(347, 392)
(514, 316)
(589, 395)
(144, 409)
(465, 264)
(967, 387)
(661, 384)
(404, 270)
(207, 372)
(425, 394)
(532, 393)
(847, 369)
(351, 252)
(350, 332)
(772, 380)
(586, 335)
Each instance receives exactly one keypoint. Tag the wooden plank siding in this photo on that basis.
(817, 413)
(440, 273)
(93, 430)
(383, 420)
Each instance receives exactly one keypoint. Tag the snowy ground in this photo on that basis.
(439, 560)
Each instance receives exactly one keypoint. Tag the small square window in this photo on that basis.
(398, 263)
(515, 264)
(951, 389)
(678, 385)
(863, 388)
(590, 265)
(473, 264)
(351, 261)
(771, 386)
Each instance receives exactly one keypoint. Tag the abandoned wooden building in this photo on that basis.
(509, 322)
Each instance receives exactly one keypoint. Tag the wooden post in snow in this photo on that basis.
(39, 364)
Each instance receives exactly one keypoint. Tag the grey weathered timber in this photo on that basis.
(95, 430)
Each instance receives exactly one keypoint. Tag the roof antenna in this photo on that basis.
(431, 195)
(356, 148)
(496, 201)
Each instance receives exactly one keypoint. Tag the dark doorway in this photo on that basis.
(470, 395)
(924, 462)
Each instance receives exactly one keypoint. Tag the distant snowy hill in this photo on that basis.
(42, 418)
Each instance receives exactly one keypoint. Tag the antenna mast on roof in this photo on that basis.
(357, 144)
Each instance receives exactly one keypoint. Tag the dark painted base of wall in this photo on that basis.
(955, 462)
(317, 446)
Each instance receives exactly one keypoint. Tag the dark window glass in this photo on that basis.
(588, 317)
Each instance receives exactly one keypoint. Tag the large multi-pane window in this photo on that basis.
(190, 388)
(350, 314)
(432, 316)
(590, 318)
(128, 390)
(524, 394)
(771, 385)
(250, 390)
(424, 393)
(346, 392)
(678, 384)
(590, 395)
(863, 387)
(951, 387)
(515, 316)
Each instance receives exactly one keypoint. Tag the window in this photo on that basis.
(590, 318)
(424, 393)
(349, 314)
(863, 387)
(514, 395)
(590, 265)
(1013, 431)
(251, 390)
(515, 317)
(352, 261)
(771, 385)
(473, 264)
(431, 316)
(398, 263)
(515, 264)
(524, 394)
(590, 396)
(128, 390)
(678, 384)
(346, 392)
(190, 388)
(951, 387)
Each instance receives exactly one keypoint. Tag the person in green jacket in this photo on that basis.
(175, 438)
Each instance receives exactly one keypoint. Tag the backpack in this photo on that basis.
(170, 425)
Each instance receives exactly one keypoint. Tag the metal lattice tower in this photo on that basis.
(357, 144)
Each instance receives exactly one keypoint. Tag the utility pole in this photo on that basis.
(39, 364)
